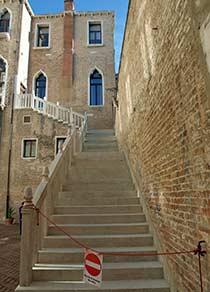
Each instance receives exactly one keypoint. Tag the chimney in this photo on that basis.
(68, 56)
(68, 5)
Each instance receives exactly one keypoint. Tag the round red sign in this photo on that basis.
(93, 265)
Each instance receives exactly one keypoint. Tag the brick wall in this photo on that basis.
(87, 58)
(163, 126)
(27, 172)
(67, 83)
(9, 50)
(68, 70)
(49, 60)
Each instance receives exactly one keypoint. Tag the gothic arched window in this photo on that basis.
(40, 85)
(96, 89)
(4, 21)
(3, 70)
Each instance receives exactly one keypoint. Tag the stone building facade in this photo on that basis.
(163, 126)
(56, 62)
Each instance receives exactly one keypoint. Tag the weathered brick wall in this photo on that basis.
(86, 59)
(53, 61)
(9, 51)
(27, 172)
(163, 126)
(49, 60)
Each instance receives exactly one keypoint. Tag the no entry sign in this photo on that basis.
(93, 268)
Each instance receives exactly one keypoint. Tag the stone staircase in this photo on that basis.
(99, 206)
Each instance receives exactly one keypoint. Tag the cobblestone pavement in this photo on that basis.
(9, 257)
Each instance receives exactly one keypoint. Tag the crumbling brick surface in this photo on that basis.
(9, 257)
(163, 126)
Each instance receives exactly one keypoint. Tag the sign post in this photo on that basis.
(93, 266)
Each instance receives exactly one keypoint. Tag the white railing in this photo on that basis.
(44, 199)
(50, 109)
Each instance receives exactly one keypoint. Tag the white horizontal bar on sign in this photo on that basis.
(93, 265)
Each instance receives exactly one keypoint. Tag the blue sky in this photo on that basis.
(119, 6)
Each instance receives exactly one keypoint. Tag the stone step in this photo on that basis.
(100, 229)
(101, 132)
(94, 200)
(99, 172)
(96, 149)
(100, 156)
(98, 218)
(101, 209)
(94, 241)
(99, 186)
(86, 177)
(101, 164)
(100, 143)
(100, 139)
(111, 271)
(84, 193)
(76, 255)
(157, 285)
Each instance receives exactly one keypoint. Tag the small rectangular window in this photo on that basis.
(29, 148)
(95, 33)
(27, 119)
(59, 142)
(42, 36)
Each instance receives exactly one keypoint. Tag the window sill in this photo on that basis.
(41, 48)
(29, 158)
(95, 45)
(5, 35)
(96, 106)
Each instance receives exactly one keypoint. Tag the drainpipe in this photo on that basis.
(68, 50)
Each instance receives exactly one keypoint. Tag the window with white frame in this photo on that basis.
(59, 141)
(29, 148)
(3, 70)
(96, 89)
(95, 33)
(4, 20)
(26, 119)
(42, 36)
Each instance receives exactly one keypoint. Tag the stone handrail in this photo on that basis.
(44, 199)
(52, 110)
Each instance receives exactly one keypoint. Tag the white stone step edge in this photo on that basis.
(107, 266)
(126, 285)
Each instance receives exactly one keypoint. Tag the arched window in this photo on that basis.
(96, 89)
(3, 70)
(40, 86)
(4, 21)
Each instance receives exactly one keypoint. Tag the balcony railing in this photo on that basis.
(50, 109)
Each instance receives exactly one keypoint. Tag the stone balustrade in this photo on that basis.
(34, 227)
(50, 109)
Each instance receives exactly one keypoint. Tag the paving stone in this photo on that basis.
(9, 257)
